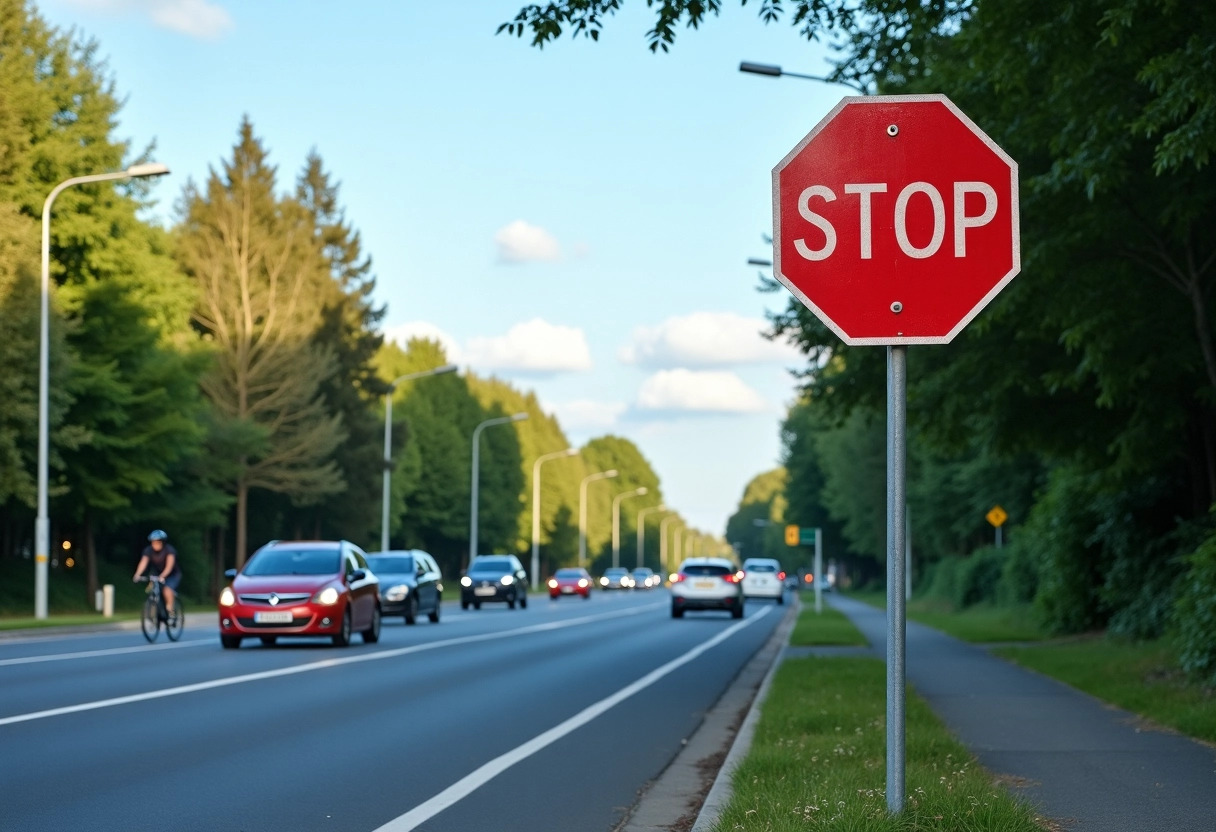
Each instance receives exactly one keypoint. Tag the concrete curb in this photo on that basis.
(673, 801)
(53, 630)
(722, 790)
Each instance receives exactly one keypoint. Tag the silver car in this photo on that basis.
(707, 584)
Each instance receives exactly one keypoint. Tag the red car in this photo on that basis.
(301, 588)
(572, 581)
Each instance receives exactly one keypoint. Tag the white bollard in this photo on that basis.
(107, 600)
(97, 600)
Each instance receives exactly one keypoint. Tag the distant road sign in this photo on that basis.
(997, 516)
(806, 537)
(791, 535)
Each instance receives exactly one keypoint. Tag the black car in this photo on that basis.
(494, 578)
(410, 583)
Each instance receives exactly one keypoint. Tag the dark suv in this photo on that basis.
(494, 578)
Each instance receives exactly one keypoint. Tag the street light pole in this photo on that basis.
(663, 544)
(536, 508)
(642, 532)
(582, 511)
(775, 71)
(616, 521)
(388, 442)
(476, 476)
(42, 522)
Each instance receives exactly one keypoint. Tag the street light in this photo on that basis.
(501, 420)
(774, 71)
(536, 508)
(616, 521)
(582, 510)
(642, 532)
(42, 523)
(388, 440)
(663, 544)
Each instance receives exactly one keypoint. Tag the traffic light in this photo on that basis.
(791, 535)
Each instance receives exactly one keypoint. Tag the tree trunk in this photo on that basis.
(242, 501)
(90, 556)
(218, 577)
(1203, 330)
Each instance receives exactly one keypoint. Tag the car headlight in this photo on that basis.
(583, 582)
(227, 597)
(466, 581)
(603, 582)
(396, 593)
(507, 580)
(326, 597)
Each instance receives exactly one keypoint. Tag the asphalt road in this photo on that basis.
(552, 717)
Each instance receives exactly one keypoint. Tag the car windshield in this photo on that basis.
(641, 571)
(705, 569)
(391, 564)
(761, 567)
(569, 573)
(283, 561)
(616, 571)
(490, 565)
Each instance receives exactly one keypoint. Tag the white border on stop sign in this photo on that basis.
(1015, 228)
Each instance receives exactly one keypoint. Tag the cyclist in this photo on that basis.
(162, 557)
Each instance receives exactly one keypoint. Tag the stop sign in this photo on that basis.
(896, 220)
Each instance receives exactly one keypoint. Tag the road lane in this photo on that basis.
(356, 745)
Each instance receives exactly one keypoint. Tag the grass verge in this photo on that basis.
(817, 760)
(31, 623)
(1140, 677)
(830, 627)
(980, 624)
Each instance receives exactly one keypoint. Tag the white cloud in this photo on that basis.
(705, 339)
(402, 333)
(196, 18)
(519, 242)
(535, 346)
(586, 416)
(705, 391)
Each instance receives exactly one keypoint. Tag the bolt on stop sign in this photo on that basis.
(896, 220)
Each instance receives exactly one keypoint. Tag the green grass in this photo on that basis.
(980, 624)
(829, 627)
(29, 622)
(1140, 677)
(818, 760)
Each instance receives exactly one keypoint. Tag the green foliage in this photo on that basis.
(755, 529)
(1195, 614)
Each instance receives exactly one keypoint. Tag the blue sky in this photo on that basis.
(575, 220)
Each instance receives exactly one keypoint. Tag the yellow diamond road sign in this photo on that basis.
(997, 516)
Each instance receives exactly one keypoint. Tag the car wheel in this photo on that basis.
(372, 634)
(737, 612)
(523, 602)
(343, 637)
(511, 603)
(411, 610)
(230, 642)
(433, 615)
(476, 605)
(269, 641)
(464, 605)
(676, 612)
(587, 596)
(781, 598)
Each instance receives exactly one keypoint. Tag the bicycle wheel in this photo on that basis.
(177, 622)
(149, 622)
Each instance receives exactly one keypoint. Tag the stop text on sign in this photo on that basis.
(896, 220)
(865, 191)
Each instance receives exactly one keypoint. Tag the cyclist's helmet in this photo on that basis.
(157, 535)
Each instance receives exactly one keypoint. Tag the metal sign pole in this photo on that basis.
(819, 570)
(897, 448)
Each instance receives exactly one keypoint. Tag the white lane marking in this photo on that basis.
(466, 785)
(321, 665)
(112, 651)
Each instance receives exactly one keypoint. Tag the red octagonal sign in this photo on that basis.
(896, 220)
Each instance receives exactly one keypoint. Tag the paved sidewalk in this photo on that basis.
(1085, 764)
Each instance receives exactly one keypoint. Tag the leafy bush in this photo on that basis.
(1019, 574)
(979, 577)
(1195, 614)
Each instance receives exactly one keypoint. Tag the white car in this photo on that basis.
(763, 578)
(707, 584)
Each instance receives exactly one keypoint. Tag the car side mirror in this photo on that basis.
(357, 575)
(230, 574)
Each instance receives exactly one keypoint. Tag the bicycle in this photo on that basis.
(154, 613)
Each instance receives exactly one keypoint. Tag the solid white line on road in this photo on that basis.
(321, 665)
(467, 785)
(113, 651)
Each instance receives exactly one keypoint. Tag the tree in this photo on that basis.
(262, 283)
(754, 529)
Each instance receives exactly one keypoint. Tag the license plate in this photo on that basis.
(283, 617)
(484, 590)
(704, 584)
(567, 590)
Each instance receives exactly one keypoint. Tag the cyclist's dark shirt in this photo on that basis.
(156, 560)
